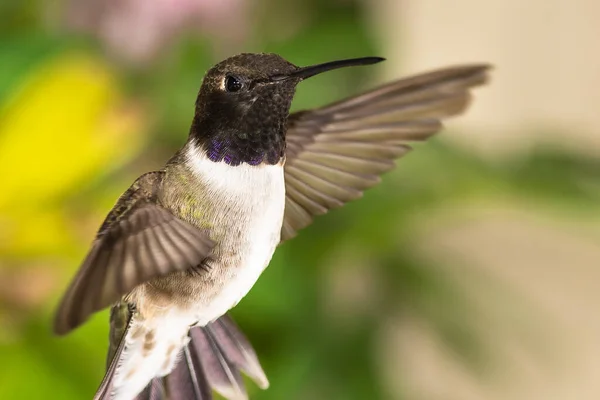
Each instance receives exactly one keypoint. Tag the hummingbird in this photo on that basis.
(184, 244)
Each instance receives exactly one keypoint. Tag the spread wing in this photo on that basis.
(336, 152)
(138, 241)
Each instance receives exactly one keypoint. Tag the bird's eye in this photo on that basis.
(232, 84)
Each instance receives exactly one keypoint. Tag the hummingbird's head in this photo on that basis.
(243, 105)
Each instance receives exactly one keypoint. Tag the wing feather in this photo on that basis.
(139, 241)
(336, 152)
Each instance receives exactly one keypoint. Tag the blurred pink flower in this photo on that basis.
(136, 30)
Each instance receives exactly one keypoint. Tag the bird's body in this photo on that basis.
(243, 207)
(185, 244)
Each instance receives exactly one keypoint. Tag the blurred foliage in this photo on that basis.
(77, 126)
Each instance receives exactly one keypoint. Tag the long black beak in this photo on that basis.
(307, 72)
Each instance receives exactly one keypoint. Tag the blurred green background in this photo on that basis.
(464, 275)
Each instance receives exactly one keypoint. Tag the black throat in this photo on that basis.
(246, 127)
(256, 136)
(250, 145)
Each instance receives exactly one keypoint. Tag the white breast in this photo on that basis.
(251, 202)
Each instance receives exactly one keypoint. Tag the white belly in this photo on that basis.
(251, 200)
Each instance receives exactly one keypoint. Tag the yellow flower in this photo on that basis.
(64, 125)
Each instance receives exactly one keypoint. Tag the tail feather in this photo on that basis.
(213, 360)
(186, 381)
(237, 349)
(221, 374)
(154, 391)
